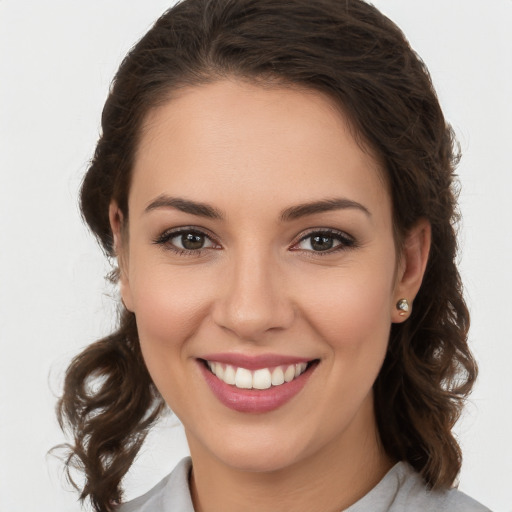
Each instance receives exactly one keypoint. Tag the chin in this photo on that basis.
(256, 450)
(258, 460)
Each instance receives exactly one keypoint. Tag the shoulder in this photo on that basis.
(171, 493)
(403, 489)
(413, 494)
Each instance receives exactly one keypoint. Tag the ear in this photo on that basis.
(411, 268)
(119, 232)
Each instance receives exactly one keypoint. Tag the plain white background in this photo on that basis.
(56, 61)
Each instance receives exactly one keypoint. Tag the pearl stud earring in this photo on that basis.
(403, 307)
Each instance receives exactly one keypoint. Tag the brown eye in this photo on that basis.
(321, 242)
(186, 241)
(192, 241)
(325, 241)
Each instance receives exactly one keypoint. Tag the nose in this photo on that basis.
(254, 299)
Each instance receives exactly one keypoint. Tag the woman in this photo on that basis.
(276, 182)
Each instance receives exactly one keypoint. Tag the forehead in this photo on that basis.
(291, 144)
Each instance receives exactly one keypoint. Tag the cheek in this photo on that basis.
(166, 311)
(353, 307)
(169, 304)
(351, 317)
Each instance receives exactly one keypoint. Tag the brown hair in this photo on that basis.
(350, 51)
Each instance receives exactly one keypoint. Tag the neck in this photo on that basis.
(330, 480)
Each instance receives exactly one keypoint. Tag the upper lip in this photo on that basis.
(255, 362)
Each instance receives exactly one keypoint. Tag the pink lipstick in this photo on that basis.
(255, 384)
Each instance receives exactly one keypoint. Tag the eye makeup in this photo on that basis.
(186, 241)
(194, 241)
(324, 241)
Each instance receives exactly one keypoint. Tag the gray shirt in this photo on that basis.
(401, 489)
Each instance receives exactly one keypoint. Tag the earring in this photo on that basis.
(403, 306)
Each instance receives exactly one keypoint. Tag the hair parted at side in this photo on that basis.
(348, 50)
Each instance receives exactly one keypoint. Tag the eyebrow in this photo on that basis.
(184, 205)
(302, 210)
(289, 214)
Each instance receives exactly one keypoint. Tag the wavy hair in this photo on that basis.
(350, 51)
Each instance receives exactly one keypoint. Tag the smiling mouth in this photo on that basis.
(262, 378)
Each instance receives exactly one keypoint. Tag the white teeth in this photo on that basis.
(277, 376)
(219, 371)
(243, 378)
(299, 368)
(289, 374)
(229, 375)
(263, 378)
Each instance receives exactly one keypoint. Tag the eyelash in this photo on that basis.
(165, 238)
(345, 241)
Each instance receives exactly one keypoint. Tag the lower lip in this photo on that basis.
(255, 400)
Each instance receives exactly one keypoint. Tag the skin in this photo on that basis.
(259, 287)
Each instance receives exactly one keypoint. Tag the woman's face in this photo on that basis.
(260, 248)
